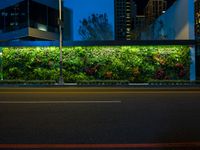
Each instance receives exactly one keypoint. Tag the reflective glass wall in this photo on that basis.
(42, 17)
(14, 17)
(28, 13)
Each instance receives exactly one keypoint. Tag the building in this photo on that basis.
(197, 36)
(140, 26)
(125, 13)
(140, 22)
(29, 20)
(154, 9)
(197, 19)
(68, 24)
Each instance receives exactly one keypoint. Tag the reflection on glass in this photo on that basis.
(24, 14)
(13, 17)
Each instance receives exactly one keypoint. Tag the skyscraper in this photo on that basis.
(197, 36)
(154, 9)
(197, 19)
(139, 26)
(125, 14)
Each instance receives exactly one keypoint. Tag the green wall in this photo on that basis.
(1, 67)
(133, 63)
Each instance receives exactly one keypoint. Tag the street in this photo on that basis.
(99, 116)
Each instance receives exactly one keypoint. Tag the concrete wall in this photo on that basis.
(176, 24)
(35, 33)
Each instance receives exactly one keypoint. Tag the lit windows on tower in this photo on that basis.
(125, 13)
(154, 9)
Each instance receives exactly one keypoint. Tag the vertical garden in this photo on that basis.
(133, 63)
(1, 65)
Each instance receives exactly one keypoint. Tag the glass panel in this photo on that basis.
(15, 16)
(2, 17)
(38, 14)
(53, 20)
(47, 20)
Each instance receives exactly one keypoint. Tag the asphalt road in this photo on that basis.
(99, 116)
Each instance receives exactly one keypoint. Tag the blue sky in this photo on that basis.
(83, 8)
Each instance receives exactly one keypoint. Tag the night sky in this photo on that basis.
(84, 9)
(81, 10)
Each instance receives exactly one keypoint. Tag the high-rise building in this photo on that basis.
(140, 26)
(197, 19)
(154, 9)
(140, 21)
(197, 36)
(29, 20)
(125, 13)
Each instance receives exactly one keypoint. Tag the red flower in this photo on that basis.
(160, 74)
(180, 66)
(181, 73)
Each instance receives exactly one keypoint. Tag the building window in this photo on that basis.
(36, 18)
(14, 17)
(46, 20)
(2, 19)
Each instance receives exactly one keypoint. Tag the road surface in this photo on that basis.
(99, 116)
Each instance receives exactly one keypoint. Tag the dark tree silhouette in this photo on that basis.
(96, 27)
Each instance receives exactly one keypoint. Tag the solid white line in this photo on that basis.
(59, 102)
(103, 92)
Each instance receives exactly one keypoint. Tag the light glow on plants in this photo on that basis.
(133, 63)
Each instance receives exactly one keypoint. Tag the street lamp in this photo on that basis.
(61, 81)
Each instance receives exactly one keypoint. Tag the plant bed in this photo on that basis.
(172, 82)
(12, 81)
(28, 82)
(103, 82)
(49, 82)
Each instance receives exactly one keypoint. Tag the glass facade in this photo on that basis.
(125, 13)
(28, 13)
(14, 17)
(47, 18)
(197, 36)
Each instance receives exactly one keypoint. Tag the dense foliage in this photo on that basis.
(1, 67)
(133, 63)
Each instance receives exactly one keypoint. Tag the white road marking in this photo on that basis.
(109, 92)
(59, 102)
